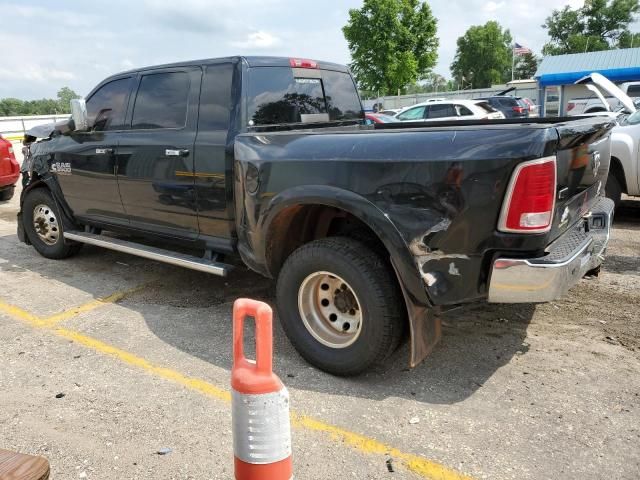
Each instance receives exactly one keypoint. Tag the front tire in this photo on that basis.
(43, 225)
(340, 305)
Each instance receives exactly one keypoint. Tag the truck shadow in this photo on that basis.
(628, 214)
(191, 311)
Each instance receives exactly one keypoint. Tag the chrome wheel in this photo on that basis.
(45, 224)
(330, 309)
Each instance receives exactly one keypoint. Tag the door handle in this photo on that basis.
(176, 153)
(104, 151)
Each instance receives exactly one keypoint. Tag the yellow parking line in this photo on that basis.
(92, 305)
(135, 361)
(416, 464)
(419, 465)
(20, 314)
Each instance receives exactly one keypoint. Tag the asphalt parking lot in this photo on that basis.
(107, 359)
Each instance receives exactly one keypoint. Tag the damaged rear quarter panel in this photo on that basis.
(433, 193)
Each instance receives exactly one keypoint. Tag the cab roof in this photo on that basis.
(250, 61)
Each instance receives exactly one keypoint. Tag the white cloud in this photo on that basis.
(258, 40)
(34, 73)
(491, 6)
(77, 44)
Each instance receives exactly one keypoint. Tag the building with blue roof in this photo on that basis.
(556, 75)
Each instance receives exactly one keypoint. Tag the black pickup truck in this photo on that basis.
(369, 230)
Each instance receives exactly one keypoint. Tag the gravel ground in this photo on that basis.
(512, 392)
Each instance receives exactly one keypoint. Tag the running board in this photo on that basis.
(152, 253)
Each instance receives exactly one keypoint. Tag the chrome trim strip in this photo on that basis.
(151, 253)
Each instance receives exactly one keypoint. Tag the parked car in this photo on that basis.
(9, 170)
(445, 110)
(511, 107)
(533, 108)
(599, 102)
(371, 118)
(624, 172)
(264, 162)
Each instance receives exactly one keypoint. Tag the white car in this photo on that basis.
(601, 103)
(445, 110)
(624, 171)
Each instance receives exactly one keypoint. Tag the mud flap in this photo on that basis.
(20, 231)
(426, 331)
(425, 327)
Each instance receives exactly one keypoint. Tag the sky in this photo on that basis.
(45, 45)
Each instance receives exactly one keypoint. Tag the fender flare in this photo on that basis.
(623, 148)
(424, 322)
(50, 183)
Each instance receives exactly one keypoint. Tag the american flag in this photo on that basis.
(520, 49)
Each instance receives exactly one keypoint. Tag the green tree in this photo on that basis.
(525, 67)
(45, 106)
(435, 83)
(10, 107)
(598, 25)
(629, 40)
(483, 56)
(65, 95)
(393, 44)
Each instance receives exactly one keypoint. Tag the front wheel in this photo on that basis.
(43, 225)
(340, 305)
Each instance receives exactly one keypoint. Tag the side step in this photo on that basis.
(152, 253)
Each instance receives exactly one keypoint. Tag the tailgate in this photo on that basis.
(583, 157)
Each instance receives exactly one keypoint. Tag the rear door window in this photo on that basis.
(441, 111)
(161, 101)
(215, 98)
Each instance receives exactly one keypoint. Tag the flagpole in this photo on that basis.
(513, 62)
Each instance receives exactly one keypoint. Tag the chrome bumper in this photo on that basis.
(568, 259)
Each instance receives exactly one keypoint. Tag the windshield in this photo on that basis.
(633, 119)
(276, 96)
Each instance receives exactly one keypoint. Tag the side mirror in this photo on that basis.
(79, 115)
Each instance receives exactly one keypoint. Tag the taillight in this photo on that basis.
(530, 199)
(302, 63)
(570, 106)
(518, 109)
(9, 146)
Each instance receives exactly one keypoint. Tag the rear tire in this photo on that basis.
(7, 194)
(613, 190)
(43, 225)
(340, 305)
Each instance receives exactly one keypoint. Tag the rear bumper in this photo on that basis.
(9, 180)
(9, 172)
(568, 259)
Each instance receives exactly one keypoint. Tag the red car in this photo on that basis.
(9, 170)
(371, 118)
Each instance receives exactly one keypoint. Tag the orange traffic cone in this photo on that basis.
(260, 402)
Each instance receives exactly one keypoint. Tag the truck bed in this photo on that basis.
(440, 184)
